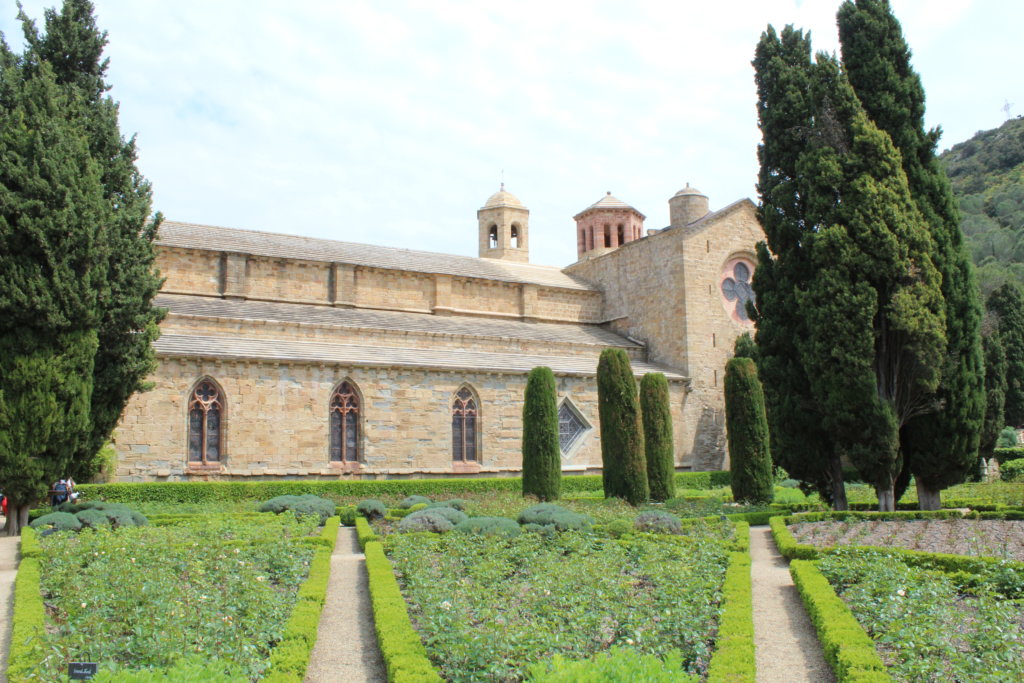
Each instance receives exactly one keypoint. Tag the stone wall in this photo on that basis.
(276, 420)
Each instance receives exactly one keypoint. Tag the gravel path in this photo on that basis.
(8, 570)
(786, 644)
(346, 643)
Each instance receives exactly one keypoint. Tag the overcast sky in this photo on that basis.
(391, 121)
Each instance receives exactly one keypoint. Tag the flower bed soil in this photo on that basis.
(974, 537)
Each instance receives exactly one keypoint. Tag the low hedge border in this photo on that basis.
(734, 660)
(364, 532)
(848, 648)
(1006, 454)
(28, 619)
(188, 492)
(403, 652)
(946, 562)
(290, 657)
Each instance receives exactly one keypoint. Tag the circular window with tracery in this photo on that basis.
(736, 289)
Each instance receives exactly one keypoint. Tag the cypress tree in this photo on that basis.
(941, 445)
(542, 461)
(801, 444)
(624, 468)
(1007, 304)
(72, 46)
(745, 347)
(659, 449)
(875, 312)
(747, 426)
(995, 388)
(52, 260)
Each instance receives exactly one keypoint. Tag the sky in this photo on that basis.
(392, 122)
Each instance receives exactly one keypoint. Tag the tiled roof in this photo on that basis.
(391, 320)
(607, 202)
(274, 245)
(238, 348)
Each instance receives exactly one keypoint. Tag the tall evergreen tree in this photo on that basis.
(659, 450)
(52, 260)
(749, 457)
(542, 460)
(624, 468)
(801, 443)
(874, 308)
(939, 447)
(995, 387)
(1007, 304)
(72, 46)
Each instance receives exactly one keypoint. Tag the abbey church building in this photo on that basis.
(299, 357)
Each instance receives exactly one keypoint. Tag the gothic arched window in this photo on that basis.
(344, 424)
(464, 423)
(205, 421)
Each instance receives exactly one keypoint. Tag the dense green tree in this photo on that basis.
(875, 311)
(52, 261)
(801, 443)
(624, 467)
(745, 347)
(750, 460)
(659, 449)
(939, 446)
(995, 387)
(1007, 304)
(72, 46)
(542, 460)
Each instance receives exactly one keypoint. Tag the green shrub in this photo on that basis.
(658, 522)
(747, 430)
(554, 517)
(1012, 470)
(364, 532)
(425, 520)
(191, 668)
(306, 504)
(617, 528)
(542, 454)
(618, 665)
(457, 503)
(659, 449)
(371, 509)
(488, 526)
(1007, 438)
(451, 514)
(413, 500)
(734, 660)
(624, 467)
(92, 518)
(60, 521)
(1005, 454)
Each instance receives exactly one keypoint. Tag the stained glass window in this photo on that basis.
(205, 434)
(570, 426)
(464, 414)
(737, 290)
(344, 424)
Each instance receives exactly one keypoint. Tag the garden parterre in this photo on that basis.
(221, 588)
(488, 607)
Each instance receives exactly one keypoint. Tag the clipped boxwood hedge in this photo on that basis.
(848, 648)
(209, 491)
(1007, 454)
(733, 660)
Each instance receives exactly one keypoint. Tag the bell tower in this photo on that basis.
(504, 225)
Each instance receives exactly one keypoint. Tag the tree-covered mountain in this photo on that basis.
(987, 173)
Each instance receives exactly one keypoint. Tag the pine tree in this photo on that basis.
(940, 446)
(1007, 304)
(72, 46)
(995, 387)
(542, 461)
(659, 450)
(52, 260)
(749, 454)
(801, 444)
(624, 468)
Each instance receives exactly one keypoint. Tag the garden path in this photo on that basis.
(785, 642)
(346, 642)
(8, 570)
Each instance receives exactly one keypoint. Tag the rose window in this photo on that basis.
(736, 289)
